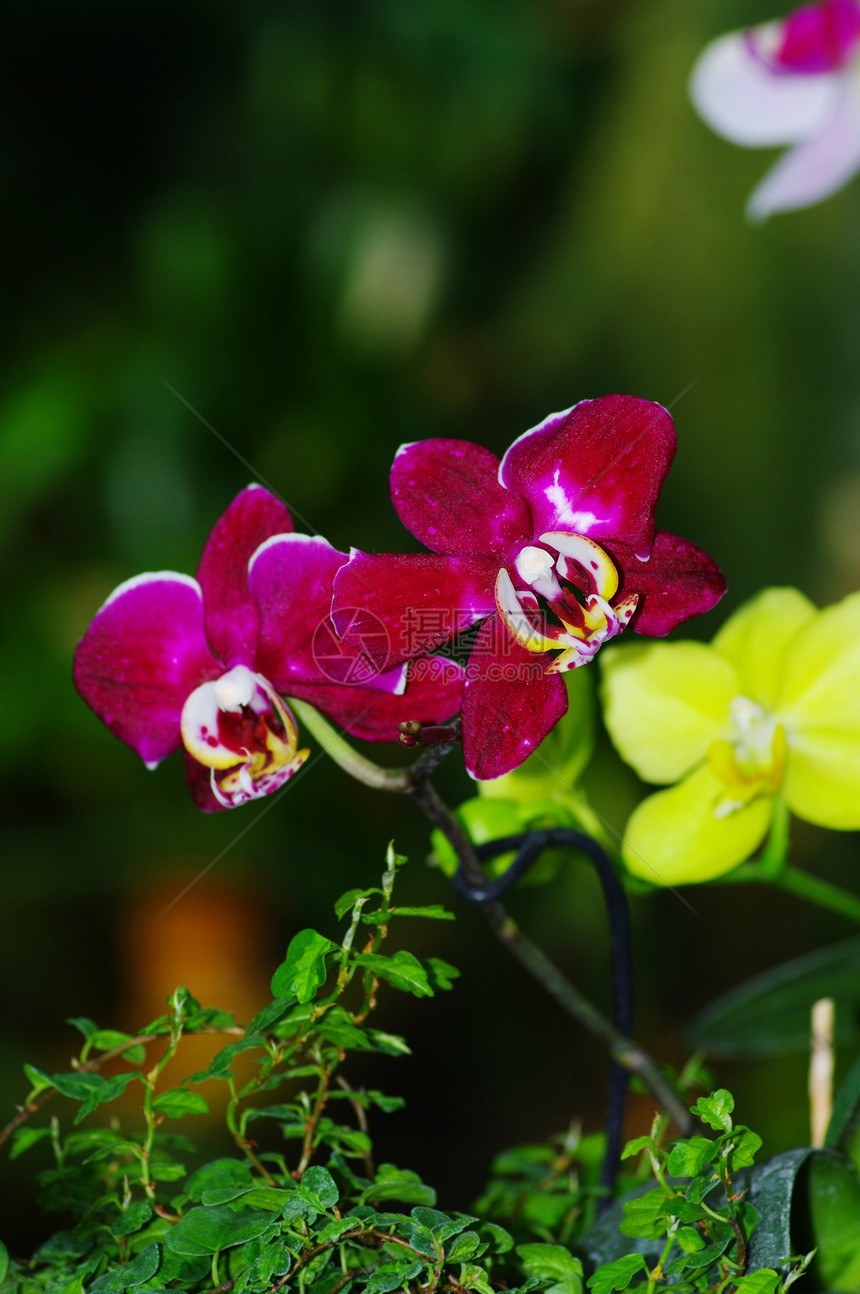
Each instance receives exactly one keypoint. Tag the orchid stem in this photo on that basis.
(623, 1050)
(333, 744)
(821, 892)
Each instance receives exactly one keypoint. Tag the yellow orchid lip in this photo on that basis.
(239, 728)
(752, 762)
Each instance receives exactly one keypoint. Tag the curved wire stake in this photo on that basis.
(530, 845)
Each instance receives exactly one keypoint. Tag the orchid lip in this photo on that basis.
(239, 728)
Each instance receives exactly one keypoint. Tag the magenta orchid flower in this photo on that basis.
(171, 662)
(793, 82)
(553, 548)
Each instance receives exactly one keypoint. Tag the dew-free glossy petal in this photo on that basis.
(447, 493)
(664, 703)
(595, 470)
(231, 617)
(396, 606)
(758, 638)
(679, 580)
(818, 167)
(673, 837)
(510, 703)
(433, 694)
(740, 98)
(142, 656)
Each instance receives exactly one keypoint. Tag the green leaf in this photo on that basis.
(645, 1215)
(390, 1276)
(501, 1240)
(321, 1184)
(131, 1219)
(393, 1183)
(635, 1147)
(439, 1224)
(304, 969)
(402, 970)
(617, 1275)
(690, 1240)
(4, 1261)
(270, 1015)
(764, 1281)
(463, 1247)
(440, 973)
(554, 1266)
(209, 1230)
(91, 1089)
(687, 1158)
(846, 1111)
(388, 1043)
(716, 1109)
(347, 901)
(179, 1102)
(433, 911)
(128, 1275)
(745, 1146)
(833, 1193)
(39, 1082)
(771, 1190)
(216, 1175)
(24, 1138)
(769, 1015)
(219, 1066)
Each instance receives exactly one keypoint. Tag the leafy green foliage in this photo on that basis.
(302, 1205)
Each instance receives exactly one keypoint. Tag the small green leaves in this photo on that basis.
(179, 1102)
(716, 1109)
(209, 1230)
(304, 969)
(402, 970)
(554, 1266)
(617, 1275)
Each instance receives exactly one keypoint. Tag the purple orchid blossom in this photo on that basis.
(793, 82)
(171, 662)
(553, 548)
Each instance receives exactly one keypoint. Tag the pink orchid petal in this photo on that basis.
(143, 655)
(510, 703)
(447, 493)
(595, 470)
(820, 37)
(396, 606)
(678, 581)
(231, 617)
(291, 579)
(814, 169)
(742, 99)
(200, 785)
(433, 695)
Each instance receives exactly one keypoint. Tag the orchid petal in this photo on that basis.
(433, 695)
(395, 606)
(742, 99)
(675, 838)
(509, 704)
(231, 617)
(143, 654)
(291, 579)
(819, 37)
(758, 637)
(447, 493)
(664, 703)
(677, 581)
(819, 166)
(595, 470)
(820, 708)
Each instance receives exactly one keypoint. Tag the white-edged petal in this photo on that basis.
(818, 167)
(741, 99)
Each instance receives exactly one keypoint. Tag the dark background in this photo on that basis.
(333, 228)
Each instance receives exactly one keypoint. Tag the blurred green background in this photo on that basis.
(333, 228)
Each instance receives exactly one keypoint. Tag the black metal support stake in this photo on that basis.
(529, 847)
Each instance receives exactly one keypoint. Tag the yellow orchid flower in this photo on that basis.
(769, 711)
